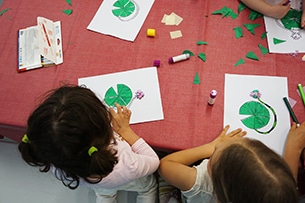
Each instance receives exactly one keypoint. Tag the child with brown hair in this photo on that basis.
(82, 142)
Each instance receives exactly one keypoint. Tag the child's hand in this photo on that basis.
(223, 137)
(296, 136)
(279, 10)
(303, 20)
(121, 118)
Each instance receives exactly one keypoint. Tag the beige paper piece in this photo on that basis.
(176, 34)
(172, 19)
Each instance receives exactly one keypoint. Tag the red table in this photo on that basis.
(188, 120)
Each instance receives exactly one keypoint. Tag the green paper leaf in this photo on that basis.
(196, 79)
(201, 43)
(4, 10)
(69, 2)
(258, 115)
(278, 41)
(253, 15)
(123, 95)
(202, 56)
(188, 52)
(239, 62)
(264, 35)
(123, 8)
(250, 27)
(68, 11)
(241, 7)
(292, 19)
(263, 49)
(238, 32)
(251, 55)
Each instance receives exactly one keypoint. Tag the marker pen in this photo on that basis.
(181, 57)
(300, 87)
(212, 97)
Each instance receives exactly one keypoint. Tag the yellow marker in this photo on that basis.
(151, 32)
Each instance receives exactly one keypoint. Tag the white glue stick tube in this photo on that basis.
(181, 57)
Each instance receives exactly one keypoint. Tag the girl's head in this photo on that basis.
(62, 129)
(245, 170)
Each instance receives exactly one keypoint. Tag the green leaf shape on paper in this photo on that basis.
(278, 41)
(258, 115)
(123, 95)
(123, 8)
(292, 19)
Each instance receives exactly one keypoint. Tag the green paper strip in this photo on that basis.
(4, 10)
(251, 55)
(263, 49)
(250, 27)
(239, 62)
(241, 7)
(188, 52)
(69, 2)
(196, 79)
(201, 43)
(278, 41)
(68, 11)
(238, 32)
(202, 56)
(264, 35)
(253, 15)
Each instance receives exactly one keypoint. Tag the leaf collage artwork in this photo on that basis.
(258, 113)
(125, 9)
(122, 96)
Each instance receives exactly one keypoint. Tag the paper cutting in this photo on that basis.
(239, 62)
(125, 10)
(258, 113)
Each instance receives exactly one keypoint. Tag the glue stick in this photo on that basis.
(212, 97)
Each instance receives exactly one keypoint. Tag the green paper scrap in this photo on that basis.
(225, 12)
(241, 7)
(251, 55)
(263, 49)
(202, 56)
(250, 27)
(278, 41)
(253, 15)
(69, 2)
(68, 11)
(238, 32)
(196, 79)
(4, 10)
(201, 43)
(188, 52)
(239, 62)
(264, 35)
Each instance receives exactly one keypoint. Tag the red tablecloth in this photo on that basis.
(188, 120)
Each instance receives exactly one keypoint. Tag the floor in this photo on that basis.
(22, 183)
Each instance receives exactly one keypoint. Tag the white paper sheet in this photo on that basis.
(294, 39)
(149, 108)
(272, 89)
(126, 28)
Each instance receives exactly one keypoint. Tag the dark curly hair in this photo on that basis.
(61, 130)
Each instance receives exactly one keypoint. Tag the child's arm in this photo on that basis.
(303, 14)
(175, 168)
(274, 11)
(295, 144)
